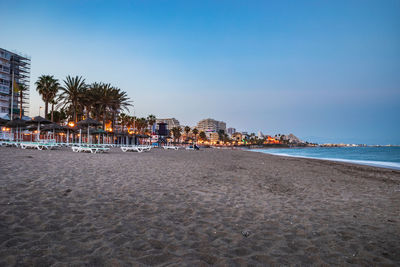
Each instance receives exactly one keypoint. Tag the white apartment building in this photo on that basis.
(211, 125)
(231, 131)
(14, 68)
(171, 122)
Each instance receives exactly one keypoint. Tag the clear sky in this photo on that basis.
(327, 71)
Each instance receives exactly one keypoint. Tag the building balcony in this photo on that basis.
(5, 76)
(4, 97)
(5, 55)
(4, 104)
(4, 89)
(5, 63)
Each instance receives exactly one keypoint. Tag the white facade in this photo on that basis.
(171, 122)
(211, 125)
(13, 68)
(231, 131)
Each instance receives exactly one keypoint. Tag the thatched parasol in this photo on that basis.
(38, 120)
(99, 132)
(16, 123)
(3, 121)
(55, 127)
(87, 123)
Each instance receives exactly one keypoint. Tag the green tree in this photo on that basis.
(58, 116)
(141, 124)
(72, 94)
(151, 119)
(203, 136)
(47, 86)
(195, 132)
(221, 134)
(187, 130)
(176, 131)
(22, 90)
(123, 120)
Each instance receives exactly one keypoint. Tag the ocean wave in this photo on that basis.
(383, 164)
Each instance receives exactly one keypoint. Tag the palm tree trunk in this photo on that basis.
(113, 119)
(52, 112)
(46, 108)
(104, 120)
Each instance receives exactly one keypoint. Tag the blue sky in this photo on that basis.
(327, 71)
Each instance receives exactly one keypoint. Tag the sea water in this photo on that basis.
(385, 156)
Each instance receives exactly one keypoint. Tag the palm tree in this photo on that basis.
(72, 94)
(195, 132)
(91, 100)
(124, 120)
(52, 97)
(46, 85)
(22, 89)
(187, 130)
(203, 135)
(120, 101)
(151, 119)
(176, 131)
(141, 124)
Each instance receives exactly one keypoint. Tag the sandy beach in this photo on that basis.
(194, 208)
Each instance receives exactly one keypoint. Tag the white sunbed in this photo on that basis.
(145, 147)
(37, 146)
(9, 143)
(171, 147)
(132, 149)
(90, 149)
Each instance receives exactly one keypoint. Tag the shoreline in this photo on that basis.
(377, 164)
(207, 207)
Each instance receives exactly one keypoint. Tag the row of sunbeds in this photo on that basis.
(98, 149)
(76, 147)
(35, 145)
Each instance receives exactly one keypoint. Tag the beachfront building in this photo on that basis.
(211, 125)
(14, 78)
(170, 122)
(213, 136)
(231, 131)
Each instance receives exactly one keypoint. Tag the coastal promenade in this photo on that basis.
(194, 208)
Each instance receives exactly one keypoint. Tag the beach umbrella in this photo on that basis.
(38, 120)
(55, 128)
(99, 132)
(17, 123)
(87, 123)
(3, 121)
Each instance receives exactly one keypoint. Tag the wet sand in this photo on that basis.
(194, 208)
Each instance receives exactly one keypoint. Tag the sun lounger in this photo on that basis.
(171, 147)
(90, 149)
(145, 148)
(37, 146)
(131, 148)
(9, 143)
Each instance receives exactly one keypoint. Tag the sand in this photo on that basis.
(194, 208)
